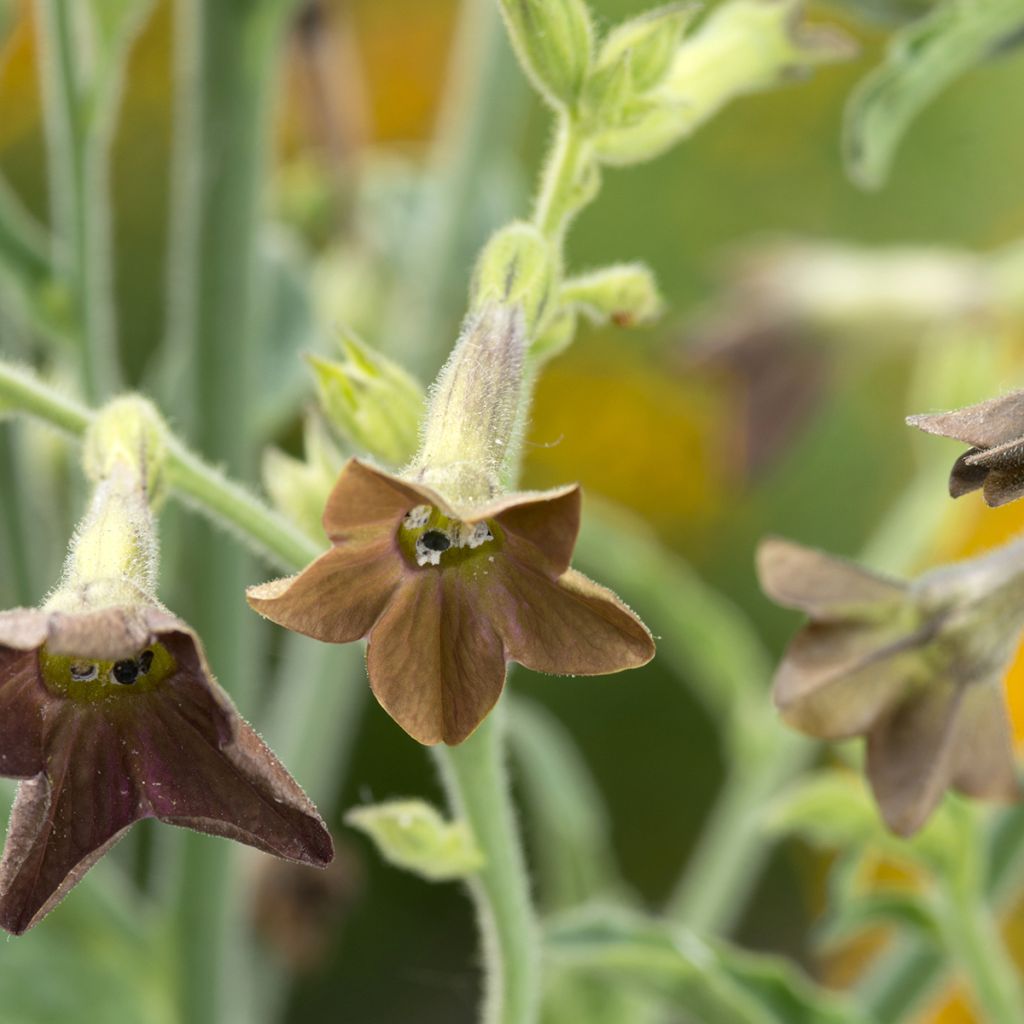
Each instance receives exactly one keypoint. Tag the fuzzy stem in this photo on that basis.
(476, 780)
(195, 482)
(560, 198)
(79, 173)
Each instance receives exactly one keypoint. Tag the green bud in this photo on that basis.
(298, 488)
(625, 293)
(647, 43)
(412, 835)
(744, 46)
(516, 267)
(372, 402)
(553, 40)
(127, 431)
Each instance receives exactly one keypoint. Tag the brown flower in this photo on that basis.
(447, 595)
(995, 460)
(109, 715)
(915, 668)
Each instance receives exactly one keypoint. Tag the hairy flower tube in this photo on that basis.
(995, 461)
(916, 668)
(449, 578)
(109, 714)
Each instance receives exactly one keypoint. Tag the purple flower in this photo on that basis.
(108, 715)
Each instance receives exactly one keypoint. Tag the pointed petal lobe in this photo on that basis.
(435, 662)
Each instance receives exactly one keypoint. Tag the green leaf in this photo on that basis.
(922, 59)
(625, 293)
(709, 981)
(411, 834)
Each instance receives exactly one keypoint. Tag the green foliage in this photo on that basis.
(707, 981)
(411, 834)
(922, 60)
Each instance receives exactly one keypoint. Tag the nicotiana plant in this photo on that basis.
(109, 708)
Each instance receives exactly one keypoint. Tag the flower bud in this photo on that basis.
(372, 402)
(625, 293)
(298, 488)
(516, 267)
(474, 422)
(127, 430)
(647, 44)
(743, 46)
(553, 41)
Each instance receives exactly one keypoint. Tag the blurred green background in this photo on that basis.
(640, 418)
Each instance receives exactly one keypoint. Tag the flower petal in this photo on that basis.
(23, 699)
(985, 425)
(366, 499)
(911, 755)
(435, 661)
(65, 819)
(569, 627)
(338, 597)
(820, 584)
(837, 679)
(197, 764)
(547, 521)
(984, 764)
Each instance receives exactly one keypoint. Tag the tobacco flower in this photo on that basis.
(995, 460)
(915, 668)
(109, 714)
(449, 593)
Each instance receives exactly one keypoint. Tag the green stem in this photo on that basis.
(195, 482)
(562, 192)
(80, 207)
(975, 944)
(476, 779)
(726, 865)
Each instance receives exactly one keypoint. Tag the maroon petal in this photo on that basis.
(822, 585)
(435, 661)
(338, 597)
(569, 627)
(63, 821)
(197, 764)
(23, 699)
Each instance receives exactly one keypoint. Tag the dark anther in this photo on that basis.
(435, 540)
(126, 672)
(145, 661)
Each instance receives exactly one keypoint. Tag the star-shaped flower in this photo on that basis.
(995, 460)
(448, 595)
(109, 714)
(915, 668)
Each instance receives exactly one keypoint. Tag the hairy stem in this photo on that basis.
(476, 779)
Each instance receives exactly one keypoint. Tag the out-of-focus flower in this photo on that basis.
(915, 668)
(995, 461)
(448, 594)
